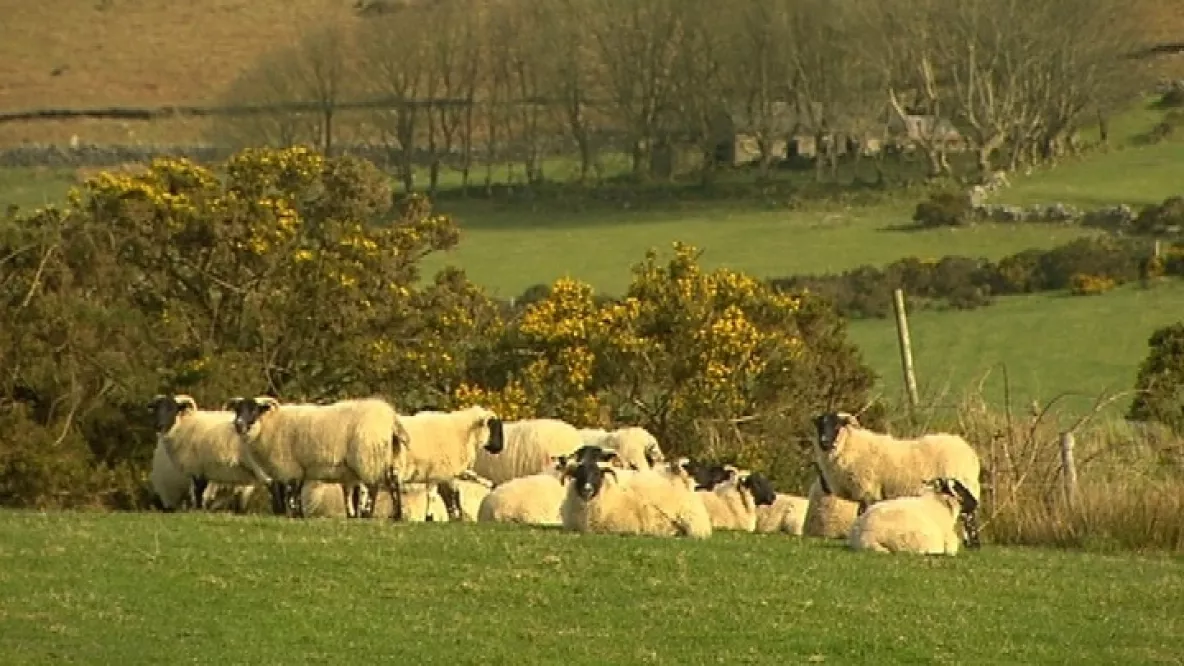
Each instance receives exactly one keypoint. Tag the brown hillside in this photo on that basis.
(88, 53)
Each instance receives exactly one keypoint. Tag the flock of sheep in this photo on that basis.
(879, 492)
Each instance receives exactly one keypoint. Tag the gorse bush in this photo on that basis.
(1160, 381)
(289, 273)
(966, 283)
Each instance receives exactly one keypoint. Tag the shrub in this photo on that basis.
(946, 208)
(1163, 219)
(1160, 382)
(1089, 285)
(715, 363)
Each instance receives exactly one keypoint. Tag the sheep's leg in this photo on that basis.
(395, 487)
(970, 523)
(279, 497)
(199, 490)
(863, 504)
(451, 497)
(349, 496)
(296, 498)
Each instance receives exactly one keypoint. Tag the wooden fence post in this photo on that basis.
(1069, 467)
(906, 349)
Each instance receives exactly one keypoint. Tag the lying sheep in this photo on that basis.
(786, 514)
(658, 502)
(201, 444)
(925, 524)
(531, 447)
(733, 503)
(866, 467)
(443, 445)
(637, 447)
(351, 442)
(529, 500)
(828, 516)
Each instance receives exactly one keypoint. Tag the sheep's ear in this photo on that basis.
(232, 404)
(156, 400)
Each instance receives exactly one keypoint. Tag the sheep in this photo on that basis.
(172, 490)
(733, 503)
(659, 502)
(531, 447)
(637, 447)
(786, 514)
(201, 444)
(924, 524)
(352, 442)
(827, 516)
(442, 446)
(530, 500)
(864, 466)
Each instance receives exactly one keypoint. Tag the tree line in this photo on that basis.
(1017, 80)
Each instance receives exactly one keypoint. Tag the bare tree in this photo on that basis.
(701, 98)
(272, 81)
(394, 50)
(636, 45)
(516, 62)
(322, 65)
(568, 71)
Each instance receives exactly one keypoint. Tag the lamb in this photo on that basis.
(351, 442)
(659, 502)
(866, 467)
(733, 503)
(924, 524)
(531, 447)
(201, 444)
(442, 446)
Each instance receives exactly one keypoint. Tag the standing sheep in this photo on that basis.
(866, 467)
(442, 446)
(733, 504)
(202, 445)
(925, 524)
(351, 442)
(531, 447)
(659, 502)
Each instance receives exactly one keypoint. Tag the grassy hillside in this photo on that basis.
(1049, 342)
(149, 588)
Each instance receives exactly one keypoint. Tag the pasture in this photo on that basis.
(152, 588)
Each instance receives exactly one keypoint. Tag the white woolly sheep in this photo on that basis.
(924, 524)
(866, 467)
(442, 446)
(637, 447)
(786, 514)
(201, 444)
(733, 503)
(530, 500)
(173, 490)
(351, 442)
(828, 516)
(658, 502)
(531, 447)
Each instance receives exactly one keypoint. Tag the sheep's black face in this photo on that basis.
(828, 426)
(497, 436)
(708, 476)
(588, 479)
(966, 500)
(761, 489)
(165, 410)
(246, 413)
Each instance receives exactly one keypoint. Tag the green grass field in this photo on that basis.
(152, 588)
(1049, 342)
